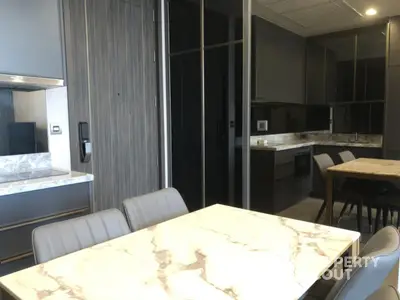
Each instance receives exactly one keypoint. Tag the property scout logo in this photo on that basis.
(344, 266)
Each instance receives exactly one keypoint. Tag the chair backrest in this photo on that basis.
(346, 156)
(382, 253)
(323, 161)
(151, 209)
(61, 238)
(385, 293)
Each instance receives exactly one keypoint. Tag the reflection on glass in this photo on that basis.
(371, 52)
(222, 21)
(23, 123)
(223, 74)
(186, 127)
(184, 18)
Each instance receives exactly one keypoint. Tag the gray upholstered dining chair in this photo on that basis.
(151, 209)
(57, 239)
(323, 162)
(346, 156)
(384, 249)
(385, 293)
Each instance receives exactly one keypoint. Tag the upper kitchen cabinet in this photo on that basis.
(347, 67)
(371, 64)
(31, 38)
(315, 74)
(278, 64)
(340, 67)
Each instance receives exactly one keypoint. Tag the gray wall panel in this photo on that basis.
(392, 107)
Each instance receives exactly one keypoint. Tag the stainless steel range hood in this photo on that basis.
(27, 83)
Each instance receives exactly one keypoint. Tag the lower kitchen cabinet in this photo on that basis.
(280, 179)
(21, 213)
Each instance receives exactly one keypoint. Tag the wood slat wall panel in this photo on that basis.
(122, 85)
(77, 74)
(125, 137)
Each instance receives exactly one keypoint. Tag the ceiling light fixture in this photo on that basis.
(371, 12)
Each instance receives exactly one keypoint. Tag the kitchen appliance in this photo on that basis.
(302, 163)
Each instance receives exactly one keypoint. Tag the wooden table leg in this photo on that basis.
(355, 248)
(329, 199)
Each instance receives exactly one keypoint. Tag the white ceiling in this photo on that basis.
(313, 17)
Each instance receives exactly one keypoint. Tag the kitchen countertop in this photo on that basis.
(305, 143)
(15, 187)
(207, 254)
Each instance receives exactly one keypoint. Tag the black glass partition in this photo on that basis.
(206, 74)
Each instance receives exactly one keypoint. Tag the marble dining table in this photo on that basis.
(216, 253)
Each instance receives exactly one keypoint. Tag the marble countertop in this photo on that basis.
(207, 254)
(369, 166)
(29, 185)
(306, 143)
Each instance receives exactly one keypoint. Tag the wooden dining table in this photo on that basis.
(219, 252)
(363, 168)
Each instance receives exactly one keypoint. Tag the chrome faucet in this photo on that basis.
(355, 139)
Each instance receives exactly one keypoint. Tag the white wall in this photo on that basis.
(31, 107)
(57, 113)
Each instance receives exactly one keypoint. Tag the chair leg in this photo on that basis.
(321, 210)
(369, 216)
(378, 219)
(359, 215)
(392, 216)
(351, 209)
(344, 208)
(385, 216)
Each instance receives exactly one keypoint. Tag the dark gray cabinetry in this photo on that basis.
(31, 38)
(315, 74)
(276, 182)
(278, 64)
(333, 151)
(392, 107)
(21, 213)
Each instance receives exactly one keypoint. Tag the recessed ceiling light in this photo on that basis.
(371, 12)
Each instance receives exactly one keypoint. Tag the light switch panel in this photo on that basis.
(262, 125)
(55, 129)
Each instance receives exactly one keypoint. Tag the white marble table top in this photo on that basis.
(216, 253)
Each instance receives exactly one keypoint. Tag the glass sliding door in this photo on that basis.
(222, 38)
(206, 80)
(186, 100)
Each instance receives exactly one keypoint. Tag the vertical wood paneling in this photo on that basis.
(77, 74)
(121, 41)
(122, 85)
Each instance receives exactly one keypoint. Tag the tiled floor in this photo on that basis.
(307, 210)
